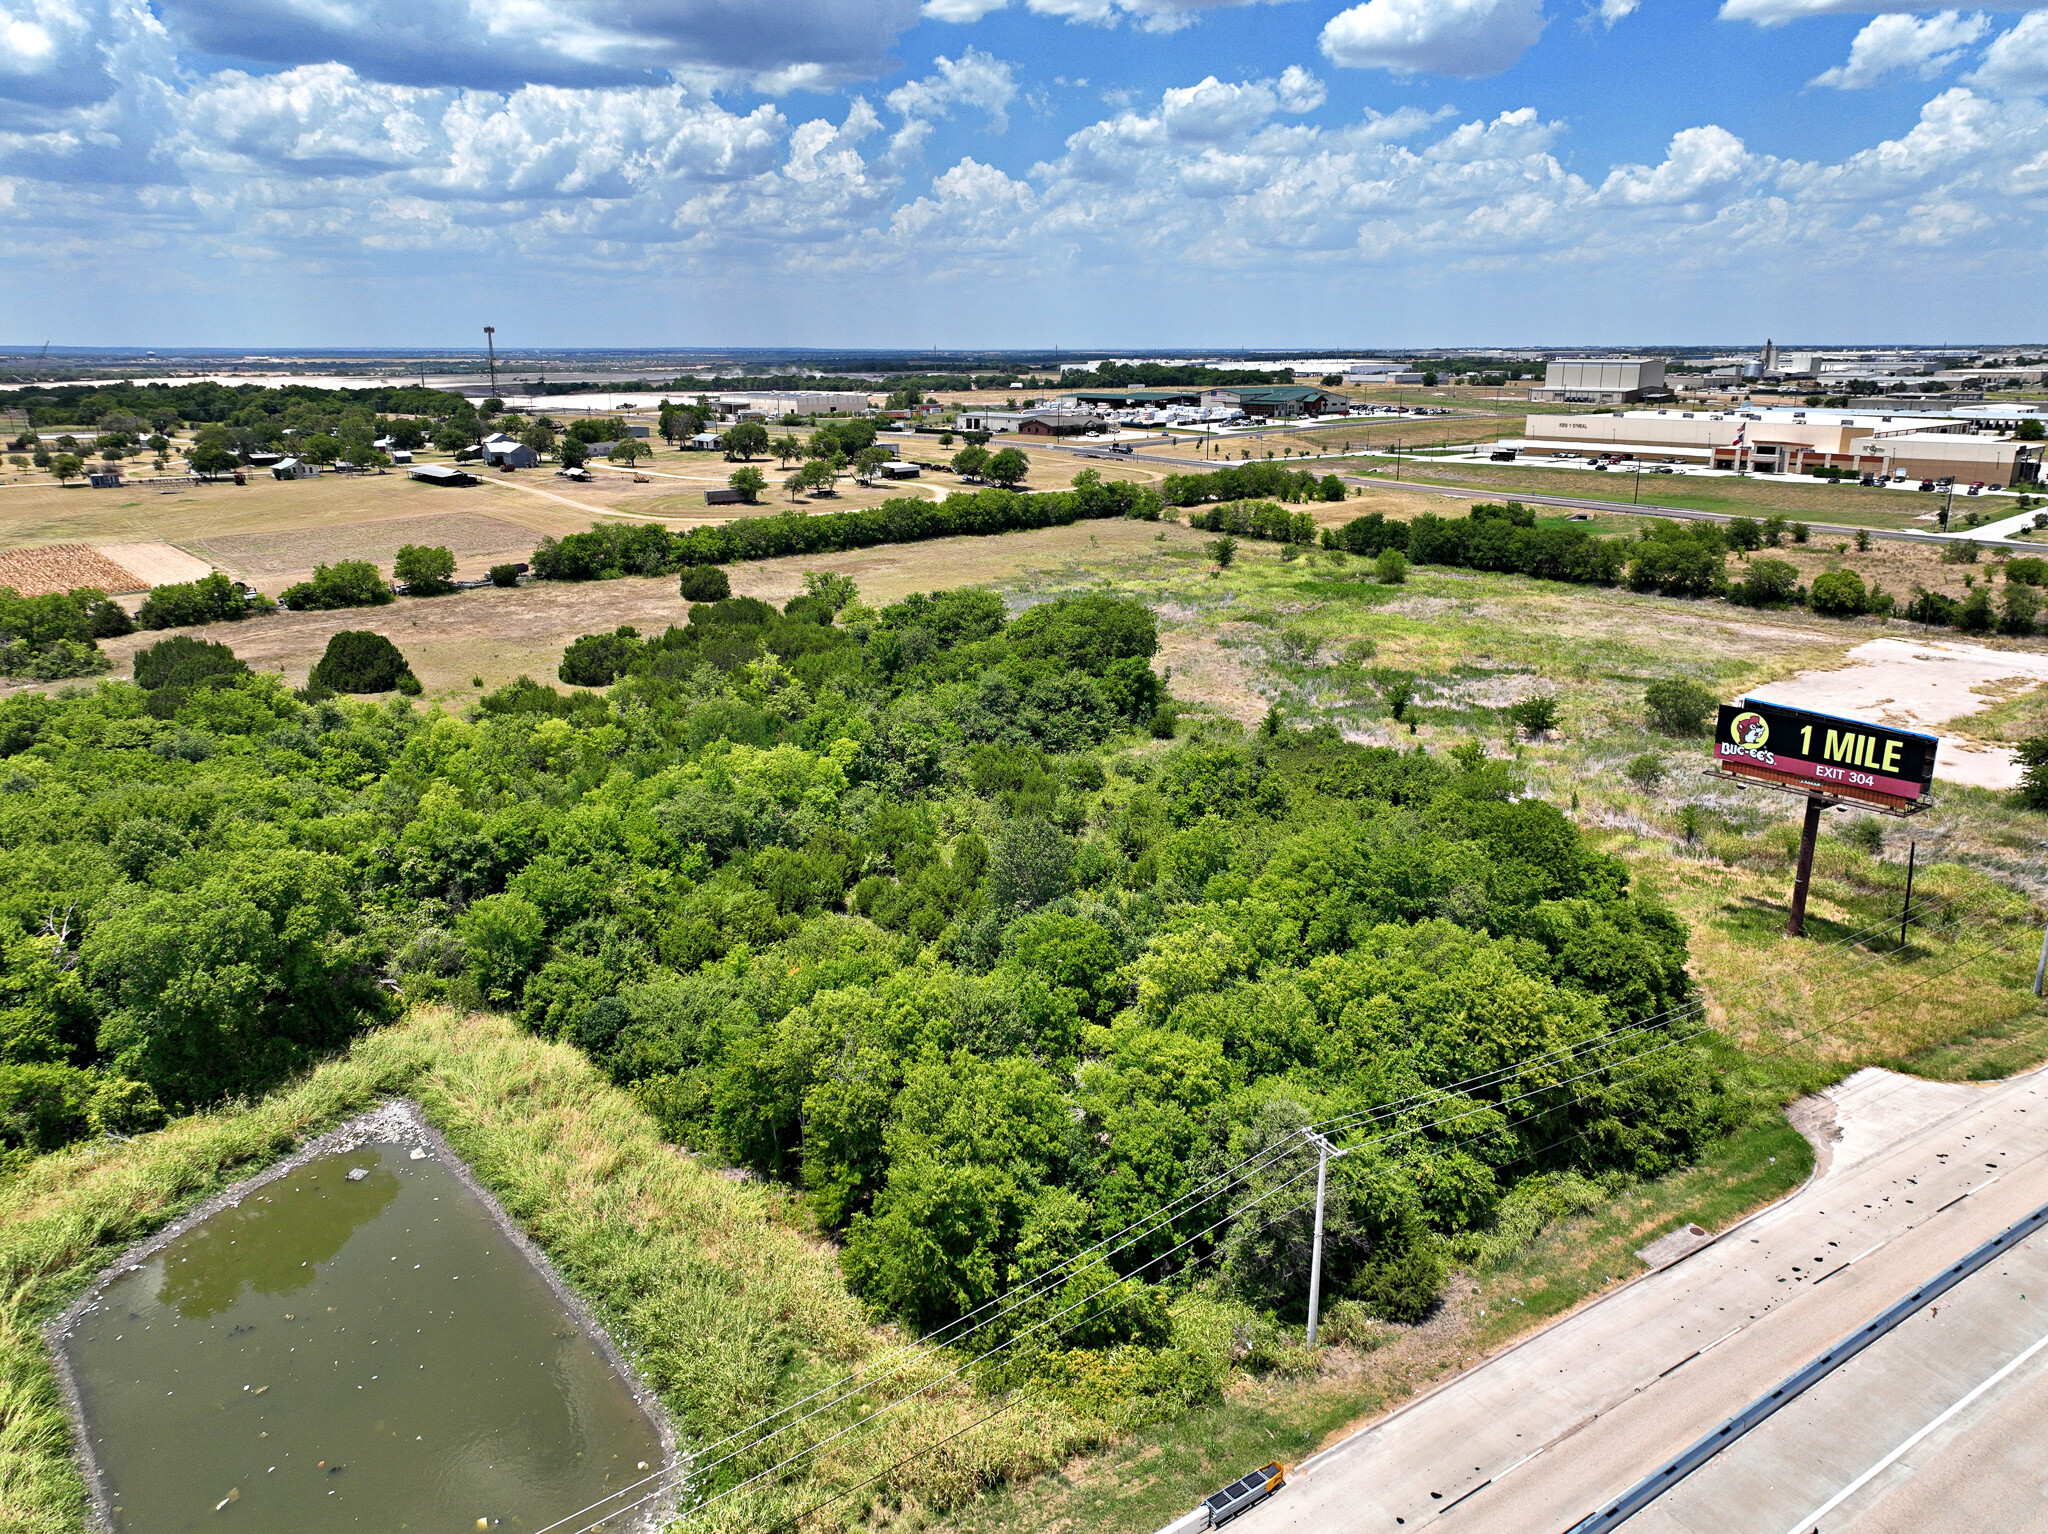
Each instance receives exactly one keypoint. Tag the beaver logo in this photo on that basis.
(1749, 730)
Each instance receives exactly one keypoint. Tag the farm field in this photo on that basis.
(1315, 638)
(271, 533)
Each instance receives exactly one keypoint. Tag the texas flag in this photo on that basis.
(1740, 432)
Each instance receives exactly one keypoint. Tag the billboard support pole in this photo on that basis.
(1796, 927)
(1906, 911)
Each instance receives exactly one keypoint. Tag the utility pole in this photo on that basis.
(1325, 1154)
(490, 334)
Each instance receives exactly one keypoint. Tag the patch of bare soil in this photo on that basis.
(156, 564)
(476, 541)
(1202, 671)
(1814, 1117)
(488, 633)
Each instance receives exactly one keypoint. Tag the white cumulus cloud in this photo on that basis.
(2017, 61)
(975, 79)
(1460, 38)
(1774, 13)
(1149, 15)
(1924, 44)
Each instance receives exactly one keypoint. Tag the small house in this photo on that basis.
(708, 441)
(399, 455)
(294, 468)
(104, 479)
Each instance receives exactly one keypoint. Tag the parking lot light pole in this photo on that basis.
(1325, 1154)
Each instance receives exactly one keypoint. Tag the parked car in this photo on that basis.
(1663, 468)
(1926, 484)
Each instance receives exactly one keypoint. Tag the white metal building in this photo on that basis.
(773, 404)
(1602, 381)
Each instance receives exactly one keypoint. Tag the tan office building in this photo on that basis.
(1968, 459)
(1791, 442)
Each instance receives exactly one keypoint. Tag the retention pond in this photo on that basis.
(355, 1341)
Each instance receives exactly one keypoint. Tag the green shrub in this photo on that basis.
(171, 670)
(1838, 594)
(44, 1106)
(1390, 568)
(1975, 616)
(109, 619)
(1647, 770)
(2032, 756)
(1677, 706)
(1397, 691)
(1767, 583)
(704, 583)
(53, 661)
(182, 661)
(2017, 608)
(357, 661)
(211, 599)
(504, 575)
(598, 660)
(1536, 714)
(1223, 551)
(346, 583)
(423, 571)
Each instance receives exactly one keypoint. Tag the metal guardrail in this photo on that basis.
(1654, 1485)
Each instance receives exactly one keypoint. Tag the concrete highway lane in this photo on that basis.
(1536, 1438)
(1936, 1426)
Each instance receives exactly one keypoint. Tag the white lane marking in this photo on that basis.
(1813, 1518)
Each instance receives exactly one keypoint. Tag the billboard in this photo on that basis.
(1824, 753)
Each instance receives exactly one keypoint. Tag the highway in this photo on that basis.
(1541, 1435)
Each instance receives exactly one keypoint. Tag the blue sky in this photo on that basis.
(1089, 173)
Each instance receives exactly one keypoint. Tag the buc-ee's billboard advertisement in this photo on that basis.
(1824, 752)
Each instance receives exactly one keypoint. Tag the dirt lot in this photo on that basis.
(268, 559)
(498, 635)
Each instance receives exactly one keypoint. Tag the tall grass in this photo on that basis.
(725, 1305)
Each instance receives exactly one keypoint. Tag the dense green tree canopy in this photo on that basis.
(902, 905)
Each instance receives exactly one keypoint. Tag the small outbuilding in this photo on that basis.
(439, 474)
(294, 468)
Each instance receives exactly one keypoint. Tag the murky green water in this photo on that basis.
(335, 1355)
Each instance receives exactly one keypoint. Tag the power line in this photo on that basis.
(1098, 1294)
(1222, 1182)
(1233, 1215)
(1225, 1177)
